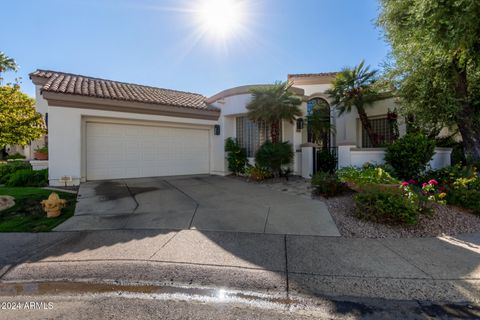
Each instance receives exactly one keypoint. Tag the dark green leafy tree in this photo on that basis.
(19, 121)
(436, 70)
(272, 104)
(355, 88)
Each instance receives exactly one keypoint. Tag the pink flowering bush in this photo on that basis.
(426, 195)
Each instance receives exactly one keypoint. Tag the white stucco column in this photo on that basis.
(344, 155)
(307, 160)
(441, 159)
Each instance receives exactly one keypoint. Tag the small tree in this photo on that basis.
(19, 121)
(354, 88)
(272, 104)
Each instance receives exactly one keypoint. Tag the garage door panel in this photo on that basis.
(127, 151)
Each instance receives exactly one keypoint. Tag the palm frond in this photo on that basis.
(353, 86)
(274, 103)
(7, 63)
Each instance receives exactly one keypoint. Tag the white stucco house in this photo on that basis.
(102, 129)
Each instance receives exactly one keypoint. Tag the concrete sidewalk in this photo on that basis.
(424, 269)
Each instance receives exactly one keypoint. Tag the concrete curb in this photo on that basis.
(300, 286)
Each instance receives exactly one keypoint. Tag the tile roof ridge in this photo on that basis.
(109, 80)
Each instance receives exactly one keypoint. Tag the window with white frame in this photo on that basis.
(251, 135)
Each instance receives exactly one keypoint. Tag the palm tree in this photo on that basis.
(319, 124)
(7, 63)
(354, 87)
(272, 104)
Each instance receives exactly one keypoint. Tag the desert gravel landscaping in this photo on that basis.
(446, 220)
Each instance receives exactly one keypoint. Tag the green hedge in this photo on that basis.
(386, 206)
(274, 156)
(7, 169)
(237, 156)
(410, 155)
(465, 198)
(368, 175)
(28, 178)
(16, 156)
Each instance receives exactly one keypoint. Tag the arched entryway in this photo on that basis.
(319, 126)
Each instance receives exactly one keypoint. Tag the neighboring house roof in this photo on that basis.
(312, 78)
(304, 75)
(78, 85)
(246, 90)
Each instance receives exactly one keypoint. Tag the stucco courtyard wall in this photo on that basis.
(351, 156)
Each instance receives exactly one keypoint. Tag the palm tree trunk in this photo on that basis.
(367, 125)
(274, 128)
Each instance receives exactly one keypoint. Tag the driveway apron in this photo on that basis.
(210, 203)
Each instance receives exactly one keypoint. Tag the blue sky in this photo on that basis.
(153, 42)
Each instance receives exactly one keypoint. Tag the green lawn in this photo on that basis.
(27, 215)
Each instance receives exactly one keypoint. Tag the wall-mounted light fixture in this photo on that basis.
(299, 124)
(216, 129)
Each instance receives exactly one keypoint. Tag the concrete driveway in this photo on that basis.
(210, 203)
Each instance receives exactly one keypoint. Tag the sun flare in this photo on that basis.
(220, 18)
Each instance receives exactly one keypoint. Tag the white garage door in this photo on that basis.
(130, 151)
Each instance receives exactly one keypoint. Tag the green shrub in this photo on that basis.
(28, 178)
(258, 173)
(474, 184)
(386, 206)
(43, 149)
(367, 175)
(460, 183)
(424, 194)
(9, 168)
(326, 161)
(327, 184)
(410, 155)
(449, 175)
(274, 156)
(465, 198)
(237, 156)
(15, 156)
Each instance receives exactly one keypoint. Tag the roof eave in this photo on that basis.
(84, 102)
(37, 80)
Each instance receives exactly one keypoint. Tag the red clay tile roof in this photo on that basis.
(67, 83)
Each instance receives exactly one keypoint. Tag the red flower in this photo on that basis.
(424, 184)
(411, 181)
(433, 181)
(404, 184)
